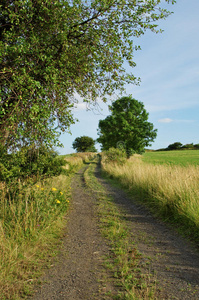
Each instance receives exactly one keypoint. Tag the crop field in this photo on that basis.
(177, 157)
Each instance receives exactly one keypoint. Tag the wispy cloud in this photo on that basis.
(168, 120)
(165, 120)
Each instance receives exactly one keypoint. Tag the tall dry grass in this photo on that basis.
(76, 160)
(170, 191)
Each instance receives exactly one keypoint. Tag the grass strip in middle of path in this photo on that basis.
(125, 259)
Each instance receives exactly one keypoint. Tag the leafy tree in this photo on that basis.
(174, 146)
(127, 127)
(84, 144)
(188, 146)
(53, 50)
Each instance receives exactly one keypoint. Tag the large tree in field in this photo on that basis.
(84, 144)
(51, 51)
(127, 127)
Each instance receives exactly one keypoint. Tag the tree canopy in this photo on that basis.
(52, 50)
(84, 144)
(175, 146)
(127, 127)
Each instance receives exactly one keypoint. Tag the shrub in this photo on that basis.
(115, 155)
(30, 162)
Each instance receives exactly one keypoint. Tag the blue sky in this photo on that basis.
(168, 65)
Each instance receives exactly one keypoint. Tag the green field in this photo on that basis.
(177, 157)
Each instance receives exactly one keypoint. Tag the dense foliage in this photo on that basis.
(174, 146)
(115, 155)
(29, 162)
(127, 127)
(51, 51)
(84, 144)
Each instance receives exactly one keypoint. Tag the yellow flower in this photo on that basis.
(61, 193)
(37, 186)
(42, 189)
(53, 189)
(57, 201)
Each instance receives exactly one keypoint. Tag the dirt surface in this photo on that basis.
(79, 272)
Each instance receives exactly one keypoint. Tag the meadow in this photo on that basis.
(166, 182)
(177, 157)
(31, 225)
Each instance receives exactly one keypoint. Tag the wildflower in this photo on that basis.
(61, 193)
(53, 189)
(37, 186)
(57, 201)
(42, 189)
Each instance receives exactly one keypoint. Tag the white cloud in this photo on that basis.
(165, 120)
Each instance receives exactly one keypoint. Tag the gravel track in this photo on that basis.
(79, 273)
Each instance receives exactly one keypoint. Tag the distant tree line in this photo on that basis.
(180, 146)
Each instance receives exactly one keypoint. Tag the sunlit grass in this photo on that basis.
(177, 157)
(75, 160)
(172, 192)
(31, 224)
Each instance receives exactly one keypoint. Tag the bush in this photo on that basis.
(115, 155)
(30, 162)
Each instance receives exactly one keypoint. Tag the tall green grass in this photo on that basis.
(31, 224)
(30, 221)
(170, 191)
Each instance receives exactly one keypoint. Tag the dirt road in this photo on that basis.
(79, 273)
(79, 270)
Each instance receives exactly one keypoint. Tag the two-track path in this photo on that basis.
(79, 272)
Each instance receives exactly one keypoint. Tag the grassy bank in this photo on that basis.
(31, 224)
(170, 191)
